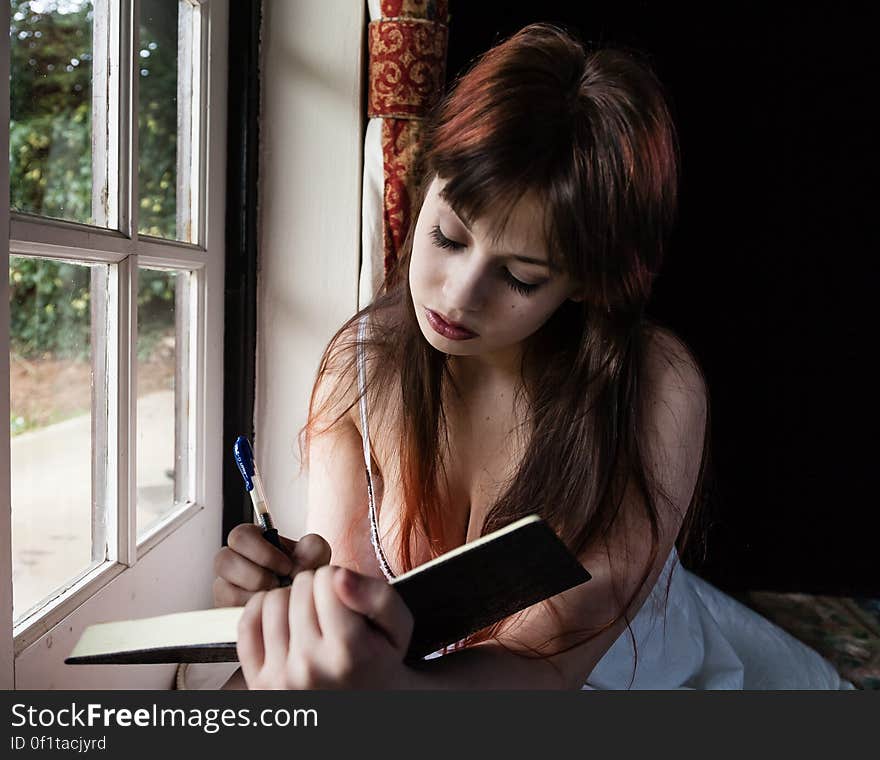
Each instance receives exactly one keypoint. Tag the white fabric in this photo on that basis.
(372, 208)
(709, 641)
(705, 640)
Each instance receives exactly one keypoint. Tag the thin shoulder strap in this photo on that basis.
(365, 433)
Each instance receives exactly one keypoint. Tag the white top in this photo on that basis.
(704, 639)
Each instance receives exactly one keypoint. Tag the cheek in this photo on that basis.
(525, 317)
(422, 268)
(415, 267)
(513, 320)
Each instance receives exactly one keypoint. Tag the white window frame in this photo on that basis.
(172, 568)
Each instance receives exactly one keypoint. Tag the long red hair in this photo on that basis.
(590, 134)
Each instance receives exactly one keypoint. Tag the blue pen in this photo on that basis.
(244, 458)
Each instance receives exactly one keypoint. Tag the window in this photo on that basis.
(116, 258)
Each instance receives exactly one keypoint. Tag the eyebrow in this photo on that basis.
(518, 257)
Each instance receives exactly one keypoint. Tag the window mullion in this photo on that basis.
(123, 397)
(202, 75)
(184, 310)
(127, 508)
(187, 120)
(103, 123)
(128, 135)
(110, 122)
(103, 500)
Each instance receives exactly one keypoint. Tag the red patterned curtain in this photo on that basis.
(407, 48)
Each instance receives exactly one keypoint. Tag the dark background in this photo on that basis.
(771, 269)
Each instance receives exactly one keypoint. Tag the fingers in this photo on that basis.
(247, 540)
(303, 618)
(331, 626)
(250, 563)
(265, 642)
(378, 601)
(309, 553)
(276, 629)
(335, 619)
(241, 572)
(228, 595)
(250, 639)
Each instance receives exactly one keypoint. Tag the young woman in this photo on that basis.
(508, 367)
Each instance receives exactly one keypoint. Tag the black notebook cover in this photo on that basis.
(484, 581)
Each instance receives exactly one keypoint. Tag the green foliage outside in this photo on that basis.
(51, 162)
(157, 119)
(50, 312)
(50, 156)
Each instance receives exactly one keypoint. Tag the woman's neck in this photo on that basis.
(484, 389)
(486, 371)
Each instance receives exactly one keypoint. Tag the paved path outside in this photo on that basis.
(52, 500)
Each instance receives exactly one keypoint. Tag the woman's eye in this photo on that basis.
(519, 286)
(442, 241)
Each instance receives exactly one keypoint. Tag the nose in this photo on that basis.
(465, 284)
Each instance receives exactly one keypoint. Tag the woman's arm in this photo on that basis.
(337, 496)
(249, 563)
(337, 501)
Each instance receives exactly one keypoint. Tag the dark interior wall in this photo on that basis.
(771, 269)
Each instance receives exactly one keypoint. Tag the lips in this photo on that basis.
(448, 329)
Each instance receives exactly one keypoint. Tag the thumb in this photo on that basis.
(377, 601)
(308, 553)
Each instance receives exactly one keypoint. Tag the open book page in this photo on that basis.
(181, 631)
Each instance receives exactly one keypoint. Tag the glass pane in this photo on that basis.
(161, 417)
(50, 127)
(52, 348)
(167, 166)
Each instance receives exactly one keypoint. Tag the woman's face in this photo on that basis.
(501, 291)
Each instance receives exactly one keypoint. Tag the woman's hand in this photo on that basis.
(250, 563)
(332, 629)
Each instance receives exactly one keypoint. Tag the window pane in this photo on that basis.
(53, 308)
(161, 409)
(50, 128)
(168, 102)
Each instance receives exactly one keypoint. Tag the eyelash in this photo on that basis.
(441, 241)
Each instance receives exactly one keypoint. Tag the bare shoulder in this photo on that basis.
(672, 375)
(335, 390)
(337, 384)
(674, 416)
